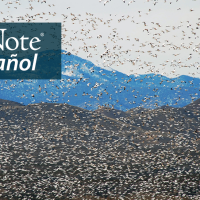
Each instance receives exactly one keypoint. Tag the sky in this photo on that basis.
(133, 37)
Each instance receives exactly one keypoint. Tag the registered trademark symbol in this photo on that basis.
(42, 34)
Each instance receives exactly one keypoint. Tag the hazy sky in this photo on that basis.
(134, 37)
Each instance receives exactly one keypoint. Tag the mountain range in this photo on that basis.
(90, 87)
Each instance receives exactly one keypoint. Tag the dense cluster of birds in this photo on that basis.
(59, 151)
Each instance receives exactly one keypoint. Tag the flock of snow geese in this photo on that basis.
(59, 151)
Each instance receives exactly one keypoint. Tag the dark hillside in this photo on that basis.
(46, 148)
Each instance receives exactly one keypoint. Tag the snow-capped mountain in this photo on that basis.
(88, 86)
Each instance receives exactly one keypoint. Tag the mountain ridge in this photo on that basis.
(86, 85)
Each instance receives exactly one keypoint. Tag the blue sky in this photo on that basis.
(133, 37)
